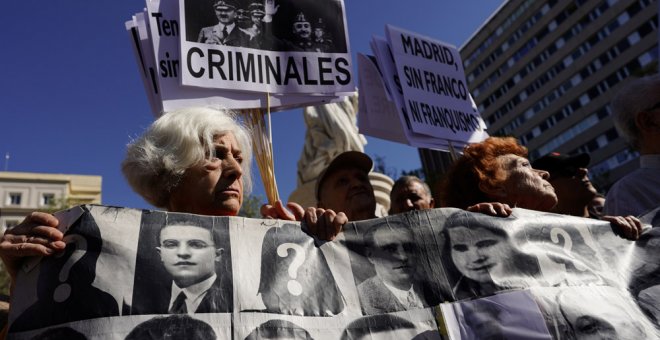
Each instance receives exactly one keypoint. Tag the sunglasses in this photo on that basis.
(653, 108)
(568, 172)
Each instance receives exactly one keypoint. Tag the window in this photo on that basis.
(14, 198)
(47, 199)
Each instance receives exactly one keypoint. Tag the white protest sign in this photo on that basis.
(435, 92)
(163, 31)
(378, 114)
(392, 89)
(278, 54)
(144, 57)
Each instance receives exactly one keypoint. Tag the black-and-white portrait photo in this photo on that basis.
(65, 284)
(57, 333)
(387, 326)
(172, 327)
(481, 258)
(183, 265)
(593, 312)
(644, 273)
(294, 277)
(513, 316)
(274, 25)
(384, 263)
(279, 329)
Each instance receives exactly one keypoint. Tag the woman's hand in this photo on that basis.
(628, 227)
(492, 209)
(324, 224)
(37, 235)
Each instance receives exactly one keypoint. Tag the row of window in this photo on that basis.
(15, 199)
(560, 66)
(583, 74)
(560, 18)
(589, 95)
(512, 39)
(572, 132)
(540, 59)
(620, 158)
(503, 27)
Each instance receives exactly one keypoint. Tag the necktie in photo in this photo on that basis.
(224, 34)
(411, 300)
(179, 305)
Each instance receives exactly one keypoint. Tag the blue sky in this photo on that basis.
(71, 97)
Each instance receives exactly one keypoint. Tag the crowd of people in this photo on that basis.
(198, 161)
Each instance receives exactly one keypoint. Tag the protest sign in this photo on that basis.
(441, 273)
(434, 89)
(271, 48)
(382, 86)
(159, 32)
(144, 57)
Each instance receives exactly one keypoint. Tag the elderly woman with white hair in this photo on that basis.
(194, 160)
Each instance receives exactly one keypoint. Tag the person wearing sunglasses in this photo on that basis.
(636, 115)
(569, 177)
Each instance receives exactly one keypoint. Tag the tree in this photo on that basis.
(251, 206)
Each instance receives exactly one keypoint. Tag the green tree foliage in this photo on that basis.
(251, 206)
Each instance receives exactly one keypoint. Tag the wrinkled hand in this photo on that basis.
(318, 222)
(278, 211)
(628, 227)
(324, 224)
(37, 235)
(492, 209)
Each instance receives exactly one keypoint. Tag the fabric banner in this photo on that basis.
(436, 274)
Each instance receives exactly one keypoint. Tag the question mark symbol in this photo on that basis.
(568, 244)
(63, 290)
(294, 287)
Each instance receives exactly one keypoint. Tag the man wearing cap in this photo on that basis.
(226, 32)
(302, 33)
(321, 42)
(569, 177)
(343, 193)
(636, 114)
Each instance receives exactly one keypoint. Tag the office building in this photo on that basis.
(546, 71)
(23, 192)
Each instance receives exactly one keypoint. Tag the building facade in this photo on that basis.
(546, 71)
(23, 192)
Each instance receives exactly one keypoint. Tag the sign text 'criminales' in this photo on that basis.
(249, 68)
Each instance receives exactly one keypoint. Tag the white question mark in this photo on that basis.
(568, 244)
(293, 286)
(63, 291)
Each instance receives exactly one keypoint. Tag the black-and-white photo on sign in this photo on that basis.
(183, 265)
(275, 46)
(147, 271)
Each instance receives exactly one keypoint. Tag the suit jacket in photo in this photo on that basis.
(376, 298)
(218, 299)
(235, 38)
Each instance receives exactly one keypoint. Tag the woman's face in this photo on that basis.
(478, 253)
(524, 186)
(214, 187)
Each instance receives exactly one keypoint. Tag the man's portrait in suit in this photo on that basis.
(190, 253)
(391, 250)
